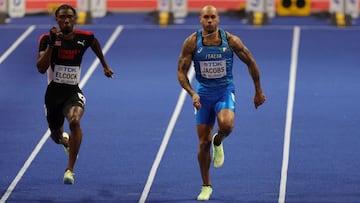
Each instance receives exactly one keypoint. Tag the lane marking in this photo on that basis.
(289, 113)
(16, 43)
(166, 139)
(96, 62)
(42, 141)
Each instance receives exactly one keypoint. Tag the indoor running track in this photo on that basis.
(139, 141)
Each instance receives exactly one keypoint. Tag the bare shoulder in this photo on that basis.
(190, 42)
(187, 53)
(234, 41)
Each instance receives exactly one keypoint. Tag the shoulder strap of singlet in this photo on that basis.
(223, 34)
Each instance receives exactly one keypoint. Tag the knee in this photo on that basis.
(226, 128)
(204, 145)
(55, 136)
(74, 124)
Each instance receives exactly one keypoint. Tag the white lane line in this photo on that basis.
(16, 43)
(289, 113)
(38, 147)
(165, 140)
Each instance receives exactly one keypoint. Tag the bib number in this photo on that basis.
(66, 74)
(213, 69)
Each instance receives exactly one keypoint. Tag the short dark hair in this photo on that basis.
(64, 6)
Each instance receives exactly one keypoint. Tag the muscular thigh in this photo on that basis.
(206, 114)
(54, 113)
(213, 103)
(58, 105)
(77, 99)
(227, 101)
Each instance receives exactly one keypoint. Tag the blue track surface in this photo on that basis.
(126, 118)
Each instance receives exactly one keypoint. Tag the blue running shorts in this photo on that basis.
(213, 101)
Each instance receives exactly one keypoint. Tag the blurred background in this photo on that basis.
(168, 12)
(127, 117)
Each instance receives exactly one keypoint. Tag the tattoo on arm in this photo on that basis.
(239, 48)
(245, 56)
(184, 63)
(183, 68)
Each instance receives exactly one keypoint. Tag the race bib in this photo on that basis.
(66, 74)
(213, 69)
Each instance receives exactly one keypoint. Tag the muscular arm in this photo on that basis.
(184, 63)
(44, 60)
(245, 56)
(95, 46)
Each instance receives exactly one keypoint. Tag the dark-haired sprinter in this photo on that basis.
(60, 54)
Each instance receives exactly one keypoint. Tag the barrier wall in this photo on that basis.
(33, 6)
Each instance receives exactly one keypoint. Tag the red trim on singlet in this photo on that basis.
(83, 32)
(76, 31)
(42, 36)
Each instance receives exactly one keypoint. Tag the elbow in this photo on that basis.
(181, 77)
(251, 63)
(41, 69)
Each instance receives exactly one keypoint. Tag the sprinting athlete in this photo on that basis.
(211, 50)
(60, 55)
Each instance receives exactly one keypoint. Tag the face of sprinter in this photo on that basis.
(66, 20)
(209, 19)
